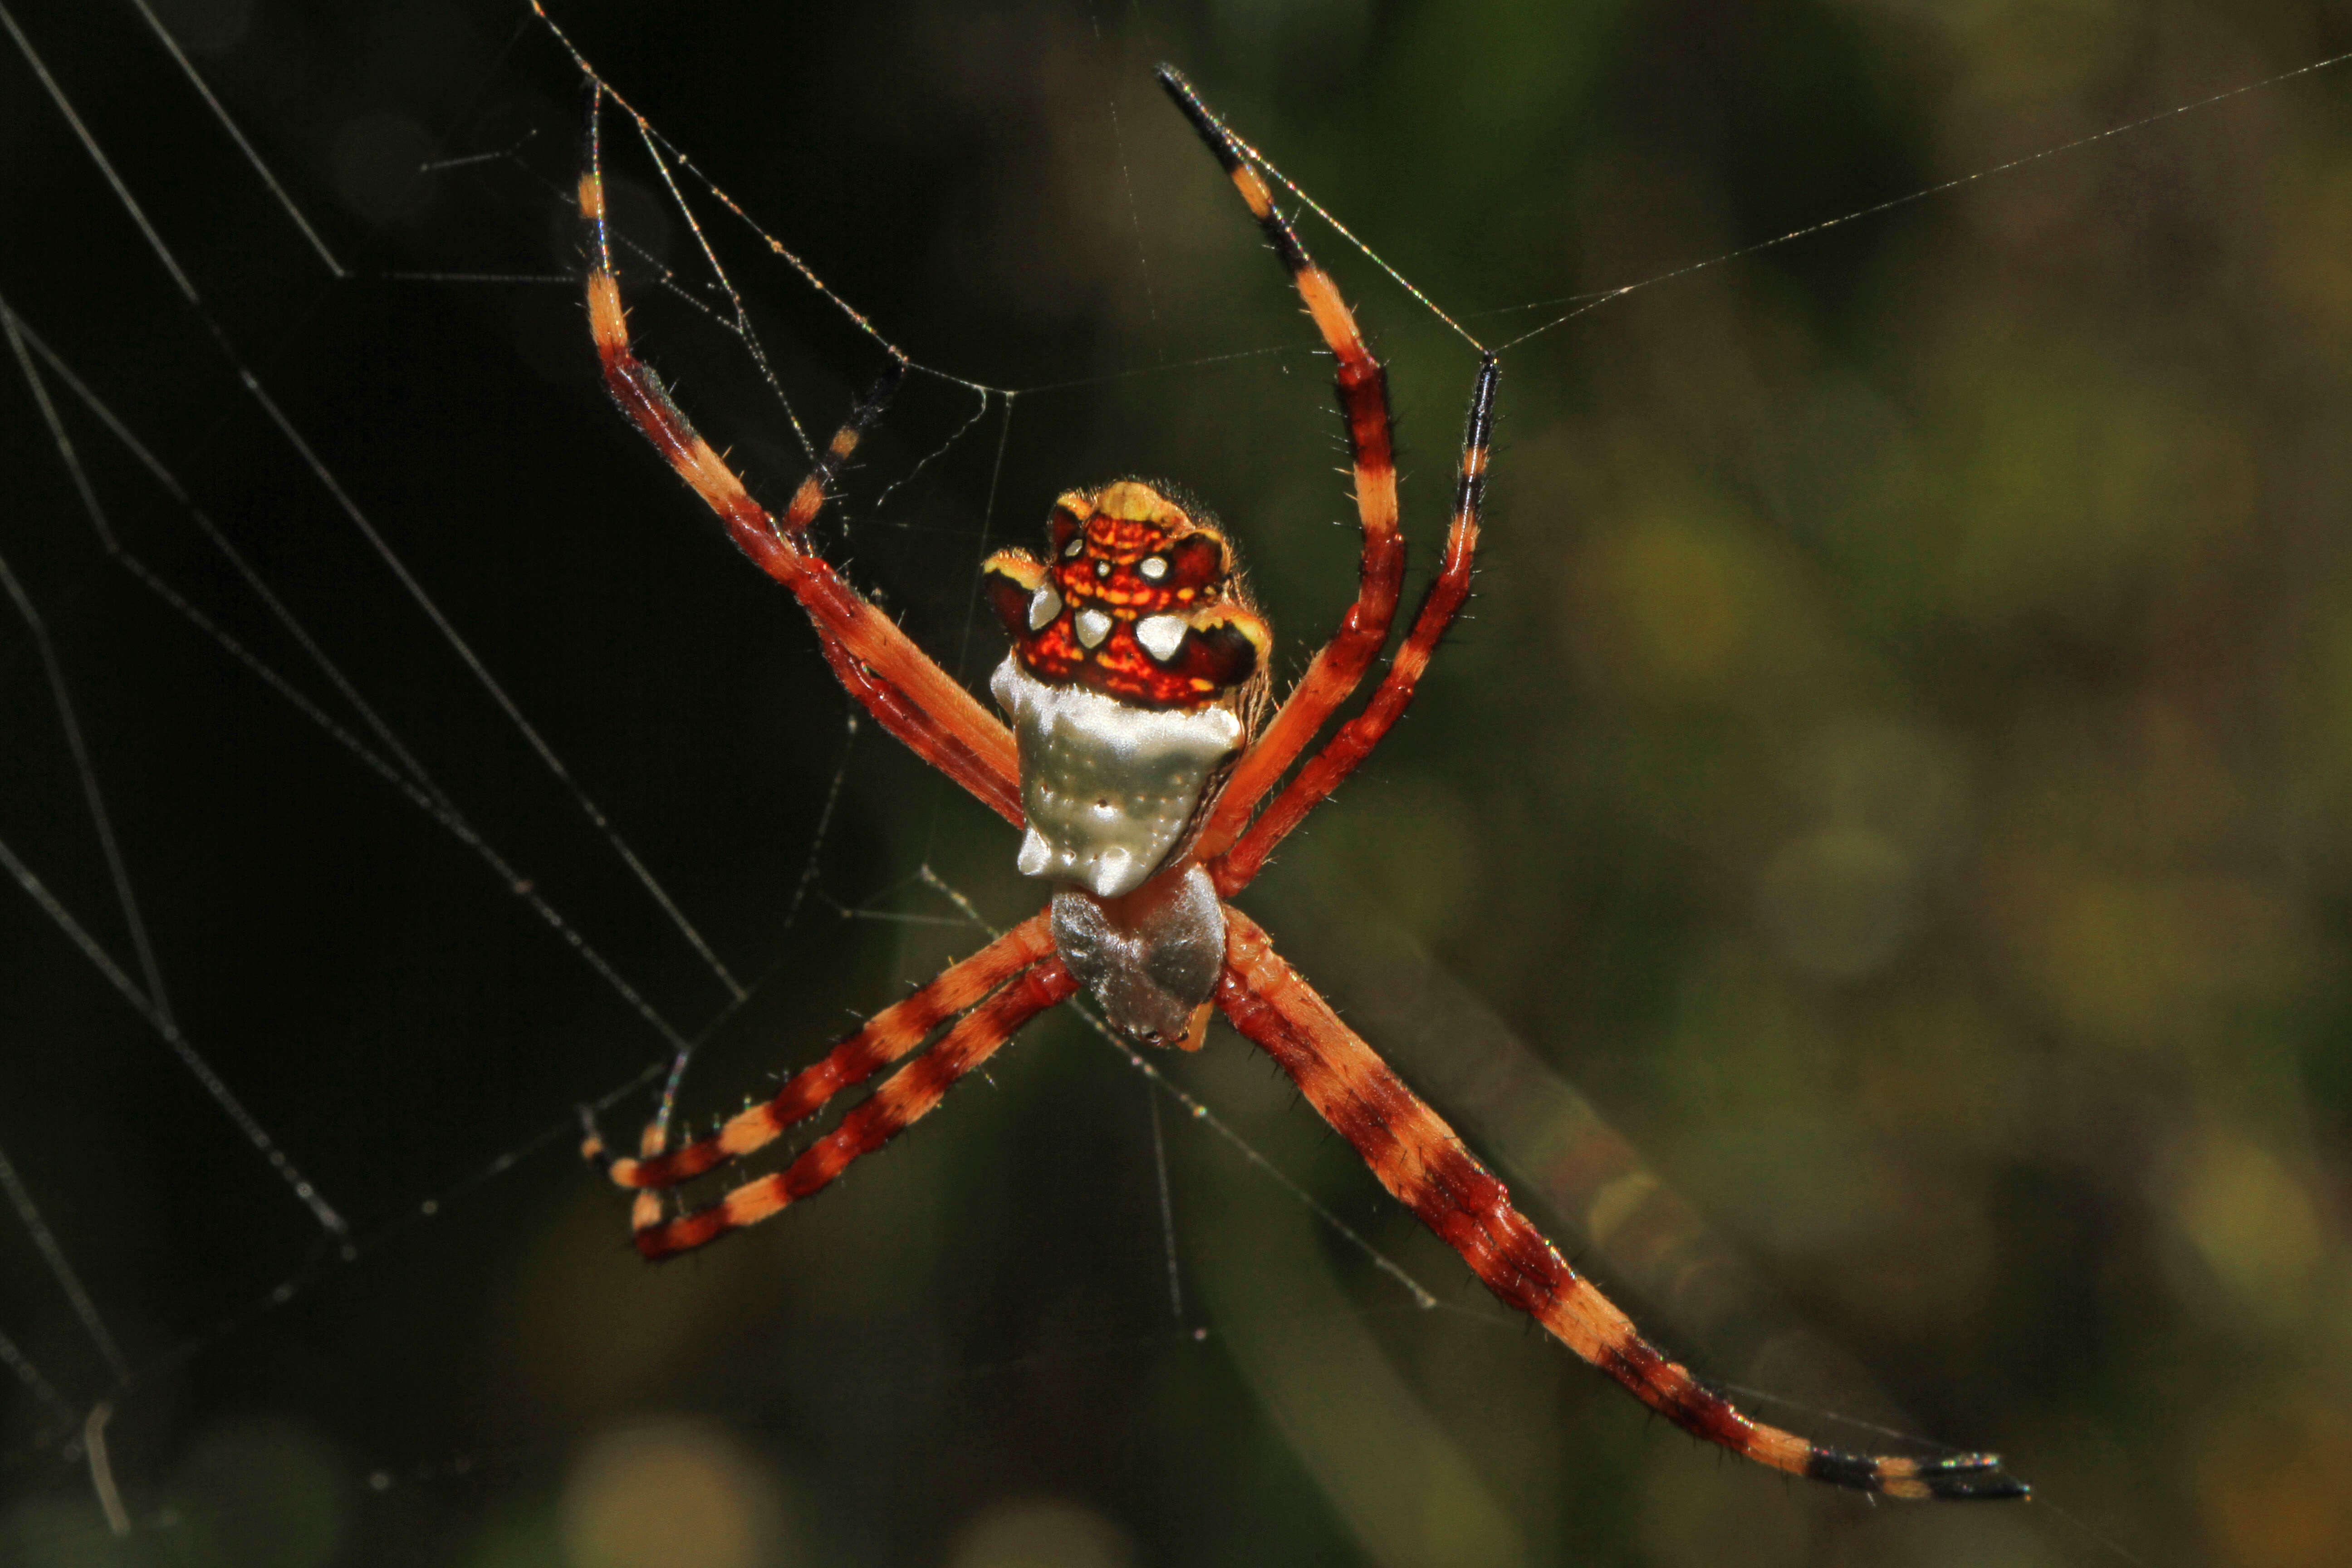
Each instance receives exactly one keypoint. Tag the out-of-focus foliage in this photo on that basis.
(1898, 767)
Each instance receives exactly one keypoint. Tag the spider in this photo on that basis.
(1138, 766)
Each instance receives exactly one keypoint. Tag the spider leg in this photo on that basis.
(909, 1094)
(888, 1036)
(1341, 663)
(879, 665)
(1418, 1158)
(1354, 740)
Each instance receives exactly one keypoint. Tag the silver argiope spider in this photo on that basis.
(1138, 766)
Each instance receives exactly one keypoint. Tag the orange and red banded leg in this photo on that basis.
(1417, 1157)
(1354, 740)
(905, 1099)
(879, 665)
(1364, 401)
(888, 1036)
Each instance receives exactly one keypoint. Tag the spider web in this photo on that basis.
(475, 776)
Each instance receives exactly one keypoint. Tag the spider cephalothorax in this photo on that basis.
(1147, 792)
(1140, 602)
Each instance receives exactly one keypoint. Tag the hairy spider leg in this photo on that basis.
(908, 1095)
(879, 664)
(888, 1036)
(1418, 1158)
(1341, 663)
(1354, 740)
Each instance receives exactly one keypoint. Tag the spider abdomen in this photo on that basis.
(1152, 958)
(1111, 790)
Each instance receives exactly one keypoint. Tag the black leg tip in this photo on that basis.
(1964, 1477)
(1977, 1477)
(1188, 103)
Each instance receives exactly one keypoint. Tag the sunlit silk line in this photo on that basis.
(222, 1095)
(403, 779)
(1422, 1296)
(137, 213)
(1854, 1423)
(152, 1003)
(971, 602)
(1167, 1205)
(261, 170)
(496, 691)
(657, 149)
(20, 1198)
(674, 1080)
(1935, 190)
(20, 335)
(61, 1268)
(668, 157)
(669, 160)
(1344, 232)
(1143, 273)
(86, 772)
(1132, 372)
(359, 519)
(1594, 301)
(293, 1285)
(21, 1367)
(807, 878)
(498, 279)
(666, 1104)
(926, 460)
(472, 160)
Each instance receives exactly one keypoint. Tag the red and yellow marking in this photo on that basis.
(1126, 553)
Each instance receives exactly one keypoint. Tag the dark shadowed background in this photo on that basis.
(1873, 870)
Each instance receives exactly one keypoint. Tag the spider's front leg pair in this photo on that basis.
(1140, 774)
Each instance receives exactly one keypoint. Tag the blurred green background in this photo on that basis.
(1873, 869)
